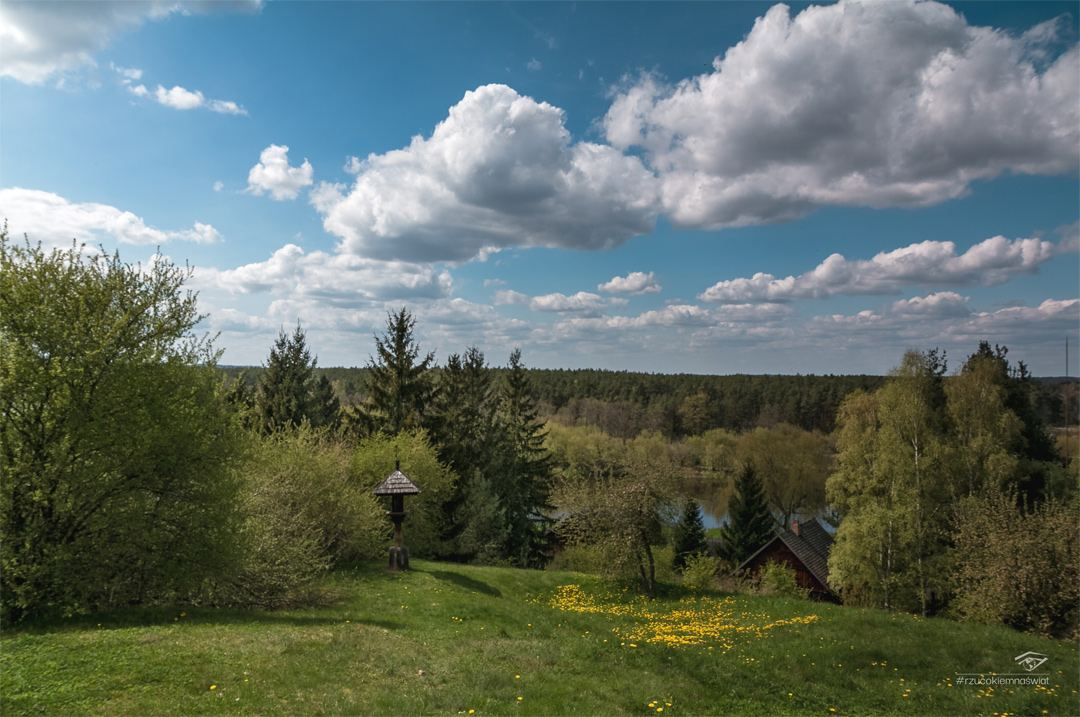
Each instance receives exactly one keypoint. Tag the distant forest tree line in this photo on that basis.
(623, 403)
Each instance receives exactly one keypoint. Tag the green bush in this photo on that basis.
(700, 571)
(1017, 567)
(778, 580)
(302, 512)
(580, 558)
(373, 460)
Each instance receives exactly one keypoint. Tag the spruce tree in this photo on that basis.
(400, 389)
(325, 406)
(282, 393)
(689, 534)
(464, 430)
(750, 525)
(524, 485)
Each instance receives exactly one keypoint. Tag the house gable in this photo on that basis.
(806, 552)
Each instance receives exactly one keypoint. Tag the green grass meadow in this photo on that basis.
(452, 639)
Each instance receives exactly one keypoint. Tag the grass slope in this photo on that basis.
(451, 639)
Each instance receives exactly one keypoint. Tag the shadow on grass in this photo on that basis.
(465, 582)
(161, 616)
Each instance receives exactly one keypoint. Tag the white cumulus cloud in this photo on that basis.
(929, 263)
(178, 98)
(273, 174)
(636, 282)
(54, 221)
(225, 107)
(499, 171)
(899, 103)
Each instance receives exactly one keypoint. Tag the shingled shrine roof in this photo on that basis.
(397, 483)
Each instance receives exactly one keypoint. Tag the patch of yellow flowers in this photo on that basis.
(694, 621)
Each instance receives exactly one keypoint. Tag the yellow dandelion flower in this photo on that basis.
(213, 687)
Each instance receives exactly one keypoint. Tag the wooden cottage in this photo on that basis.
(805, 549)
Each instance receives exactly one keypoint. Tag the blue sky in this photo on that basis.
(706, 187)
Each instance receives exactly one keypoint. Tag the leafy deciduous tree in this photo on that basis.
(793, 466)
(695, 414)
(301, 511)
(985, 431)
(1019, 567)
(619, 511)
(894, 486)
(115, 446)
(374, 459)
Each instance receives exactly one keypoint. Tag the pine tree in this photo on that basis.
(400, 389)
(689, 534)
(750, 525)
(282, 394)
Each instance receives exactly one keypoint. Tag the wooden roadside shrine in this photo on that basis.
(397, 485)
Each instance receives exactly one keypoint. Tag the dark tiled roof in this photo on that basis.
(396, 484)
(811, 546)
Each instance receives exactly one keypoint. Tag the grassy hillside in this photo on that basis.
(450, 639)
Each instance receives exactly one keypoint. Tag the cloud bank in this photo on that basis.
(929, 263)
(338, 280)
(54, 221)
